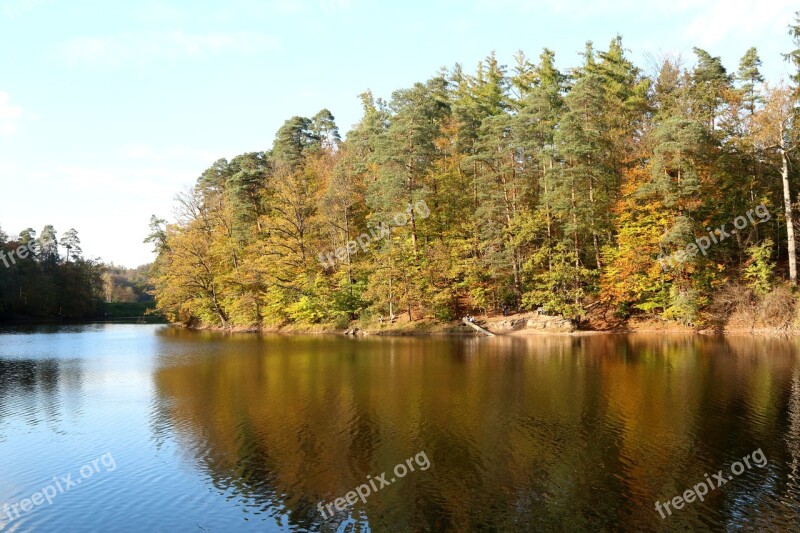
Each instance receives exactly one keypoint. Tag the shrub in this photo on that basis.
(758, 272)
(683, 306)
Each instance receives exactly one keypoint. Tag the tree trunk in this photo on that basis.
(546, 203)
(575, 227)
(349, 261)
(221, 314)
(510, 209)
(391, 305)
(592, 224)
(787, 205)
(412, 220)
(410, 186)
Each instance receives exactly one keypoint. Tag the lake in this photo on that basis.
(150, 428)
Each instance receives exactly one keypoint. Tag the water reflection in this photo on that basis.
(578, 433)
(32, 391)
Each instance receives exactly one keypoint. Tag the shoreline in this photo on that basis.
(518, 325)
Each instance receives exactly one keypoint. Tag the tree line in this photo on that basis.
(547, 189)
(37, 281)
(46, 277)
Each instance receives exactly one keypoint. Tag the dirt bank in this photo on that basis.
(519, 324)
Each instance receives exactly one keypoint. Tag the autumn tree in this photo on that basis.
(773, 127)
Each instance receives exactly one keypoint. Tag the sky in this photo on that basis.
(109, 109)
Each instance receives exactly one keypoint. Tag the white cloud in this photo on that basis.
(9, 114)
(144, 47)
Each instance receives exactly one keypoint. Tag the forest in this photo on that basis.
(38, 282)
(606, 189)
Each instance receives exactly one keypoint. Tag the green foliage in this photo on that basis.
(128, 309)
(347, 301)
(305, 310)
(442, 305)
(683, 306)
(793, 57)
(559, 281)
(758, 272)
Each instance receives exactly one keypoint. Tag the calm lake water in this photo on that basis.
(167, 430)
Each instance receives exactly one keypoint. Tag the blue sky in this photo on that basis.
(108, 109)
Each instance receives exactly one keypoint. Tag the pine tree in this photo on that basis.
(407, 151)
(709, 81)
(292, 140)
(324, 128)
(749, 76)
(248, 175)
(793, 57)
(539, 113)
(47, 245)
(585, 185)
(72, 243)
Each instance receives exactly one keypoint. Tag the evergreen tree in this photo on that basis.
(749, 76)
(324, 128)
(47, 245)
(709, 81)
(292, 140)
(793, 57)
(72, 243)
